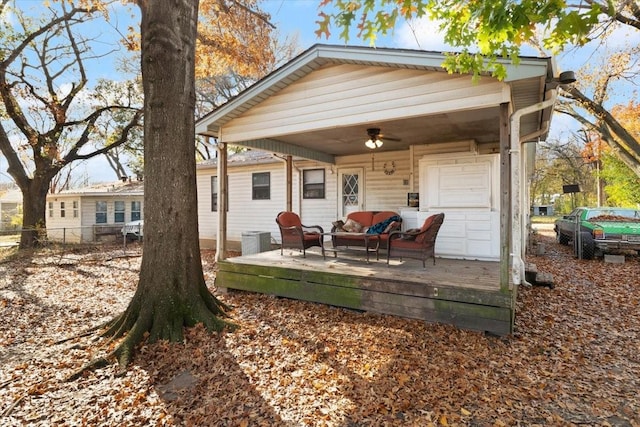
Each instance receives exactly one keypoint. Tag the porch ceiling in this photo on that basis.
(480, 125)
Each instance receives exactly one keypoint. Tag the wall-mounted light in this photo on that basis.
(565, 78)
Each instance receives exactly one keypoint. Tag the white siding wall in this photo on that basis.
(88, 209)
(207, 220)
(68, 228)
(318, 211)
(385, 188)
(244, 213)
(383, 191)
(341, 95)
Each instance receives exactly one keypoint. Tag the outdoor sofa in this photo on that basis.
(378, 224)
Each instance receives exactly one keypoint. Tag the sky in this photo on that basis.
(299, 17)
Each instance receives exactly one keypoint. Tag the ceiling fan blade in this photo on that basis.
(389, 138)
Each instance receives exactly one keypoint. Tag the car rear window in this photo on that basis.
(613, 215)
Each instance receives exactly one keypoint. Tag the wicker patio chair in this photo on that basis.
(296, 235)
(416, 245)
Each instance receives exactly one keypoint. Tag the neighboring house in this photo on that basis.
(10, 206)
(542, 210)
(465, 147)
(93, 213)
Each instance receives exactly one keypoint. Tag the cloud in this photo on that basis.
(421, 33)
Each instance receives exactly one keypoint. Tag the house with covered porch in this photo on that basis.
(464, 147)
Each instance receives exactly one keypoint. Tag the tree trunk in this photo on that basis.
(34, 200)
(171, 291)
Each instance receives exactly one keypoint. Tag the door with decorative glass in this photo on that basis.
(350, 192)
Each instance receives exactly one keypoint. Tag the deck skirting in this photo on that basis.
(467, 306)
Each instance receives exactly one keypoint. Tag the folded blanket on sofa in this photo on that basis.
(382, 225)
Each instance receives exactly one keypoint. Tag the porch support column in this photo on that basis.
(221, 238)
(290, 183)
(505, 197)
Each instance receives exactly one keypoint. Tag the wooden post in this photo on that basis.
(505, 197)
(289, 183)
(221, 238)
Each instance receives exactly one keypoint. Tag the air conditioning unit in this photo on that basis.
(254, 242)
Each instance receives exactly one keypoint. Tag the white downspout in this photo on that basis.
(517, 185)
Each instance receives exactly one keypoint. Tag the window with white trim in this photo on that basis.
(136, 210)
(261, 186)
(313, 184)
(101, 212)
(118, 213)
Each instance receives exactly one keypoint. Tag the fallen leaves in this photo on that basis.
(573, 359)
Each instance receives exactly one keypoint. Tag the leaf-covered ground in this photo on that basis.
(574, 359)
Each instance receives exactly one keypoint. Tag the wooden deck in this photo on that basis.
(460, 292)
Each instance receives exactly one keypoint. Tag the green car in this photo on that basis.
(602, 230)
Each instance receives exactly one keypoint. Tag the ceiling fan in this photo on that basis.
(375, 140)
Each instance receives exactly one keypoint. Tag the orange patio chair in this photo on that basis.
(416, 245)
(296, 235)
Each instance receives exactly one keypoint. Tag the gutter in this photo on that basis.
(517, 185)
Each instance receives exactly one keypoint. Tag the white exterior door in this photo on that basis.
(466, 189)
(350, 191)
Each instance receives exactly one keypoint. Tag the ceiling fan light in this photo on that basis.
(371, 144)
(378, 143)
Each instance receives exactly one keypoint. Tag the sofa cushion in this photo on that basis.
(427, 223)
(381, 216)
(406, 244)
(364, 218)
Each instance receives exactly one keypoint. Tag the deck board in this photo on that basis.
(450, 272)
(462, 292)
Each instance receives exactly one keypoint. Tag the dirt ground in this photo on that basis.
(574, 358)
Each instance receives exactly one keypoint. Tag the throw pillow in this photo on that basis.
(352, 226)
(339, 225)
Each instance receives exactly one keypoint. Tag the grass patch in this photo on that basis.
(544, 219)
(9, 238)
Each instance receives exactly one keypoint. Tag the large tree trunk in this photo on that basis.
(171, 293)
(34, 200)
